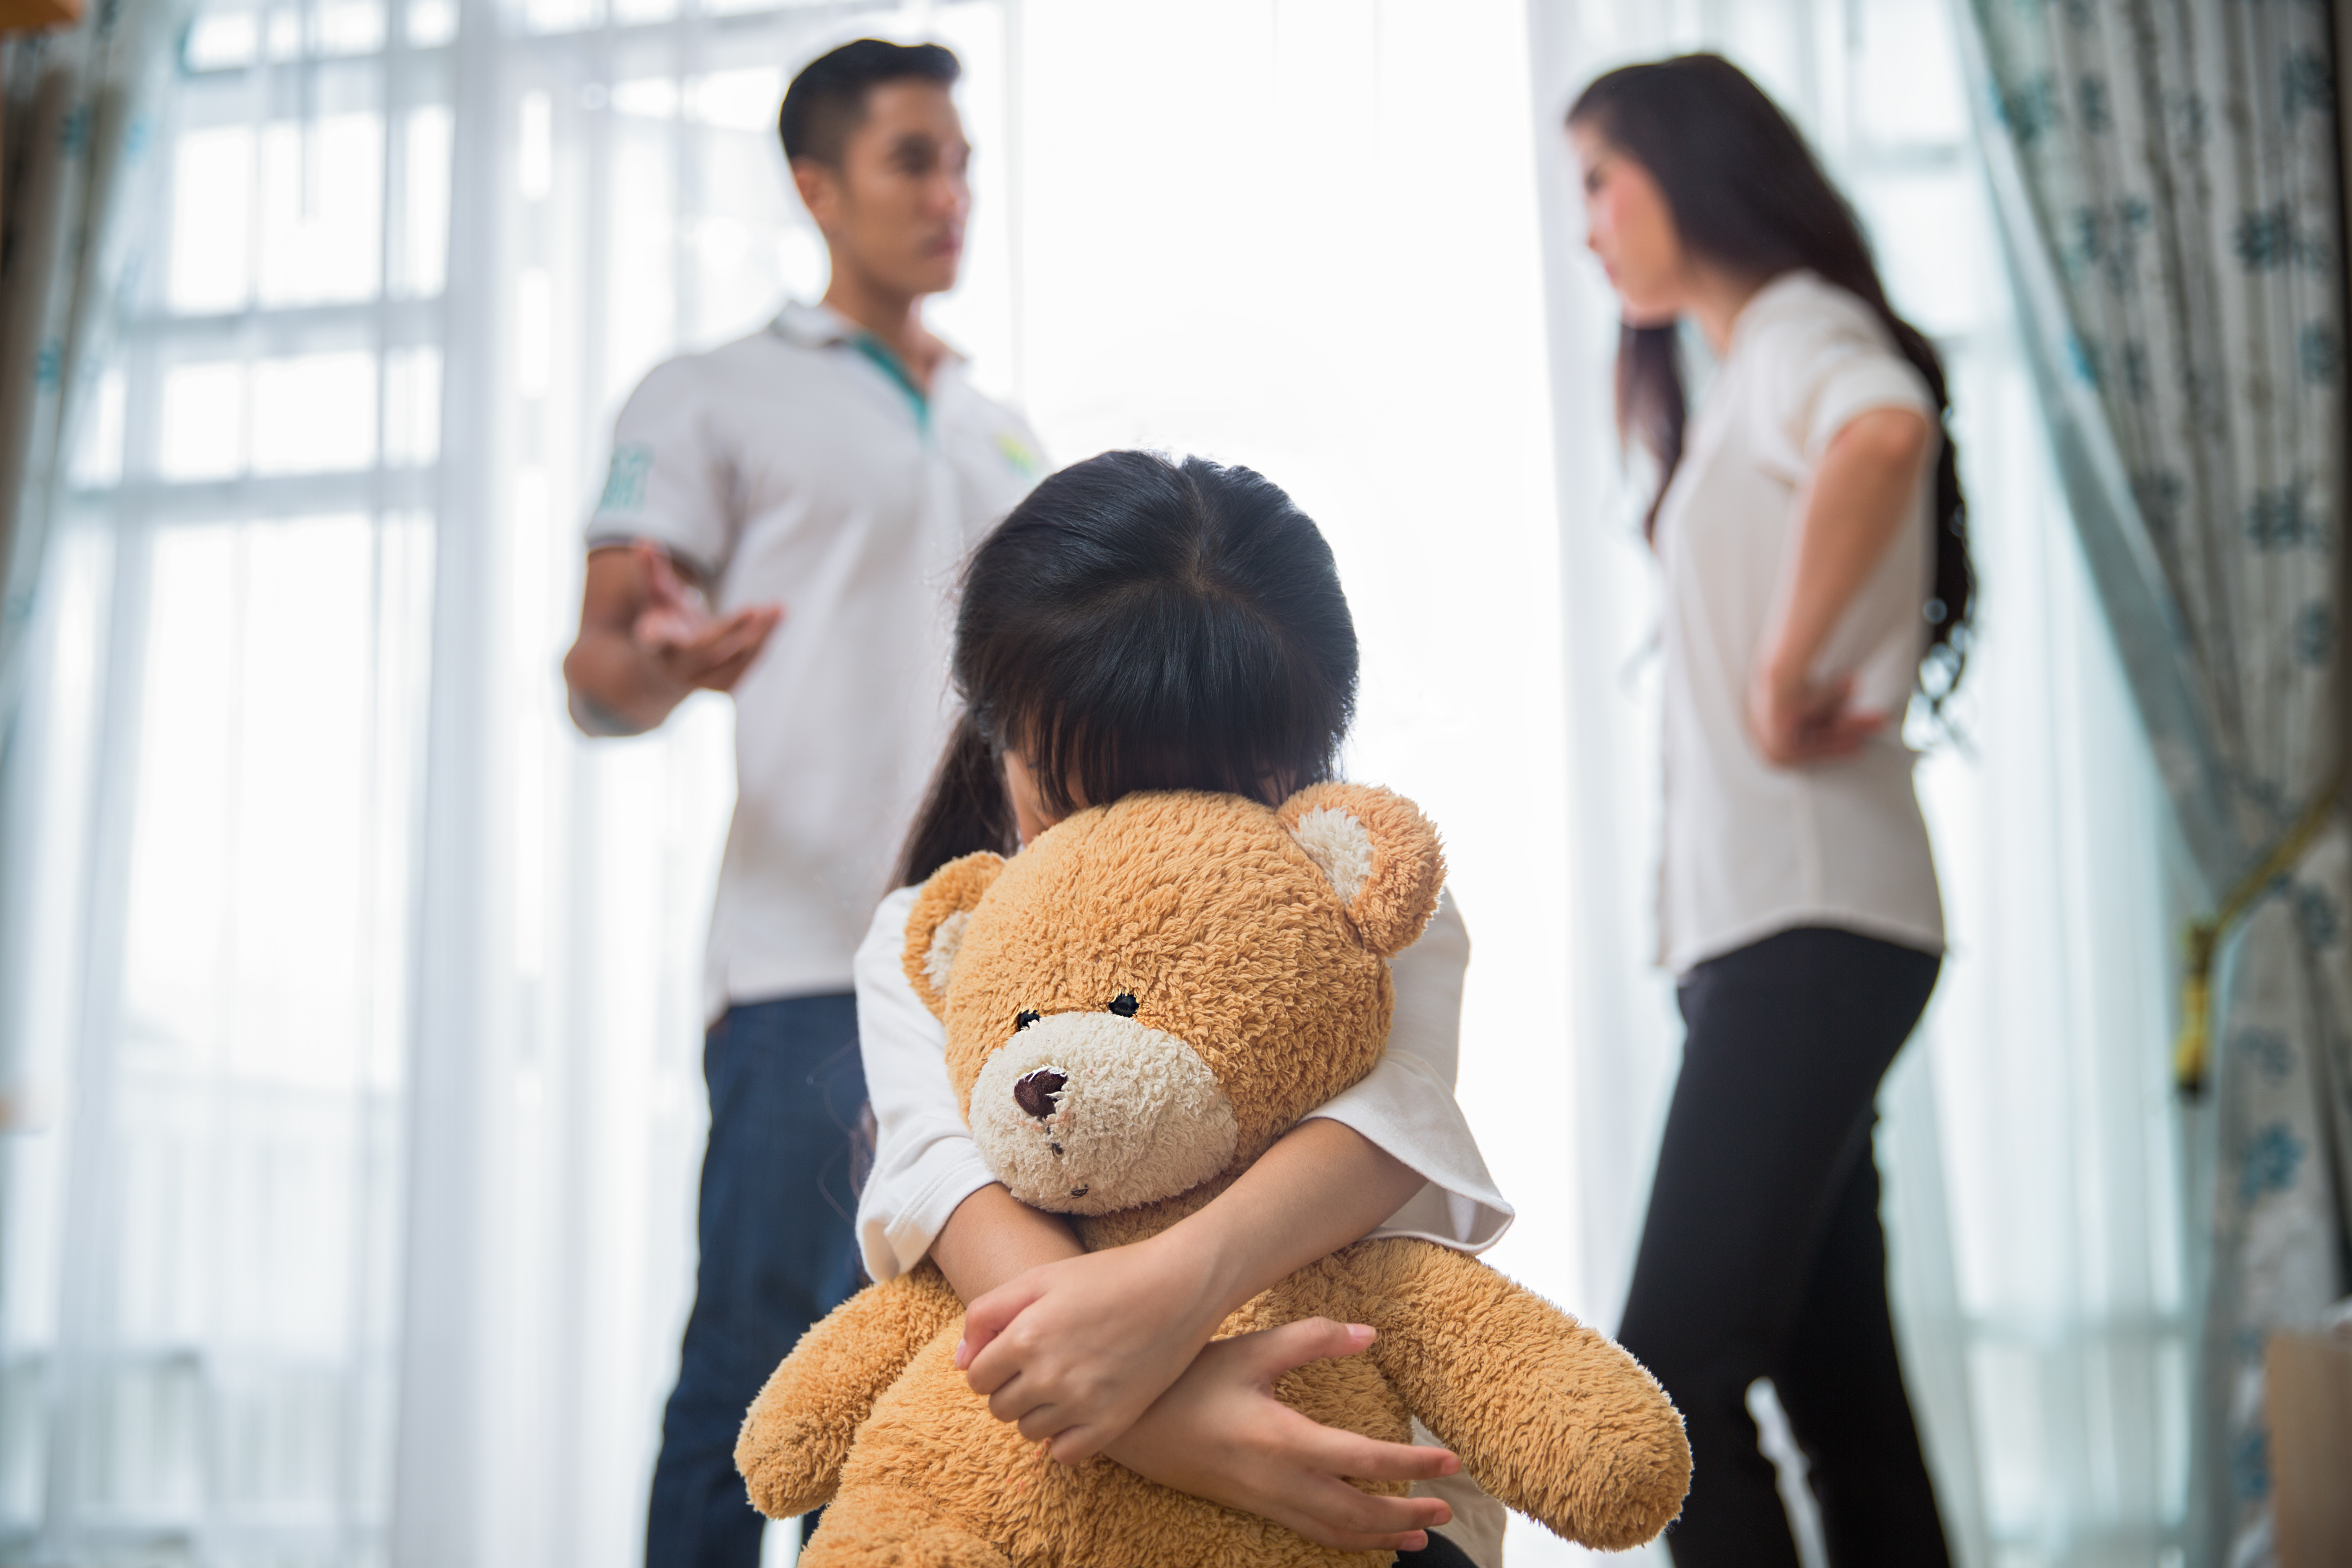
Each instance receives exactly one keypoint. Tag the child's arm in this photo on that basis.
(1073, 1349)
(993, 1239)
(1211, 1426)
(1077, 1349)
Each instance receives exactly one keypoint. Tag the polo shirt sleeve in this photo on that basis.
(925, 1162)
(669, 480)
(1406, 1107)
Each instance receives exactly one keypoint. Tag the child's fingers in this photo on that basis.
(1272, 1351)
(1337, 1453)
(1336, 1514)
(1075, 1444)
(993, 1315)
(1011, 1403)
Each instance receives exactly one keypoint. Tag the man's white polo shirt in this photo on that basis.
(799, 465)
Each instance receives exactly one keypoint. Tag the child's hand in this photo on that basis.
(1219, 1433)
(1074, 1352)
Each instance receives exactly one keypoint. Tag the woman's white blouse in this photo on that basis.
(925, 1162)
(1752, 850)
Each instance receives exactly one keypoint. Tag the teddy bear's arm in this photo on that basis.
(799, 1430)
(1550, 1417)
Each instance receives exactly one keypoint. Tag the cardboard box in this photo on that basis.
(2309, 1392)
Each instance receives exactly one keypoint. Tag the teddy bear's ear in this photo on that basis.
(935, 925)
(1381, 854)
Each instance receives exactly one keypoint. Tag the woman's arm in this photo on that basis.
(1862, 492)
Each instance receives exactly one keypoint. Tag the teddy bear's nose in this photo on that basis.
(1035, 1093)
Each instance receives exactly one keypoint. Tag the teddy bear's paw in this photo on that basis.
(877, 1529)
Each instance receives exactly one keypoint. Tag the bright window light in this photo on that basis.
(204, 422)
(648, 97)
(736, 99)
(314, 414)
(321, 209)
(534, 151)
(426, 231)
(411, 412)
(220, 39)
(351, 28)
(432, 23)
(211, 208)
(98, 454)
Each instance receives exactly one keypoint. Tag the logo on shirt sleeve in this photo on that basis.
(624, 486)
(1016, 454)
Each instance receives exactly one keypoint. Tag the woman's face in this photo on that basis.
(1629, 226)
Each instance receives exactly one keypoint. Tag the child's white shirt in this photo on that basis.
(925, 1162)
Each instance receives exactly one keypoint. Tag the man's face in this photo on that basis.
(896, 207)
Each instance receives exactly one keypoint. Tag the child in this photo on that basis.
(1139, 623)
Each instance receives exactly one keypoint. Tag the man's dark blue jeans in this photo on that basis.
(778, 1253)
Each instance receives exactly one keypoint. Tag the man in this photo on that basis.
(783, 522)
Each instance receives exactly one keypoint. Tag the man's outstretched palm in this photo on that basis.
(694, 647)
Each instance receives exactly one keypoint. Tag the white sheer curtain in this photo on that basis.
(627, 199)
(2030, 1151)
(353, 1084)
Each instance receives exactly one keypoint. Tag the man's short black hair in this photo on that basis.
(827, 100)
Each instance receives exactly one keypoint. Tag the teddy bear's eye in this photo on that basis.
(1125, 1003)
(1024, 1018)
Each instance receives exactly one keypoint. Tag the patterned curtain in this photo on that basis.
(76, 136)
(2166, 170)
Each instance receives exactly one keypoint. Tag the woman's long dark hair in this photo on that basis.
(1748, 196)
(1140, 623)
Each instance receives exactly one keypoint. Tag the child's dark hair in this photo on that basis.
(1136, 624)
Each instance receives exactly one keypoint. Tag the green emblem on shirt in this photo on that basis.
(1016, 454)
(624, 486)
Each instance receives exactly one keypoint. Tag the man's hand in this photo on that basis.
(695, 649)
(647, 639)
(1219, 1433)
(1076, 1351)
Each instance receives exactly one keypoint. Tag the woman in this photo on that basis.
(1811, 533)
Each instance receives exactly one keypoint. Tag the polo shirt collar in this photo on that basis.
(811, 326)
(818, 326)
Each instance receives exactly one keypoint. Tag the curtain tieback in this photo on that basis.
(2191, 1052)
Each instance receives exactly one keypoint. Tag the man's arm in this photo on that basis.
(647, 640)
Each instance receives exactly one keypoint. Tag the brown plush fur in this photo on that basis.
(1231, 939)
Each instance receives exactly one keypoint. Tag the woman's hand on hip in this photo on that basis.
(1794, 720)
(1219, 1433)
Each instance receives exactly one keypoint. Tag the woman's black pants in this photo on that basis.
(1762, 1255)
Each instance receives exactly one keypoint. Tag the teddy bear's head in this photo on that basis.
(1154, 990)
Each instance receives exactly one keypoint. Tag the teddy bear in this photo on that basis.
(1137, 1006)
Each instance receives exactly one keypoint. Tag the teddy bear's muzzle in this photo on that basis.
(1092, 1112)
